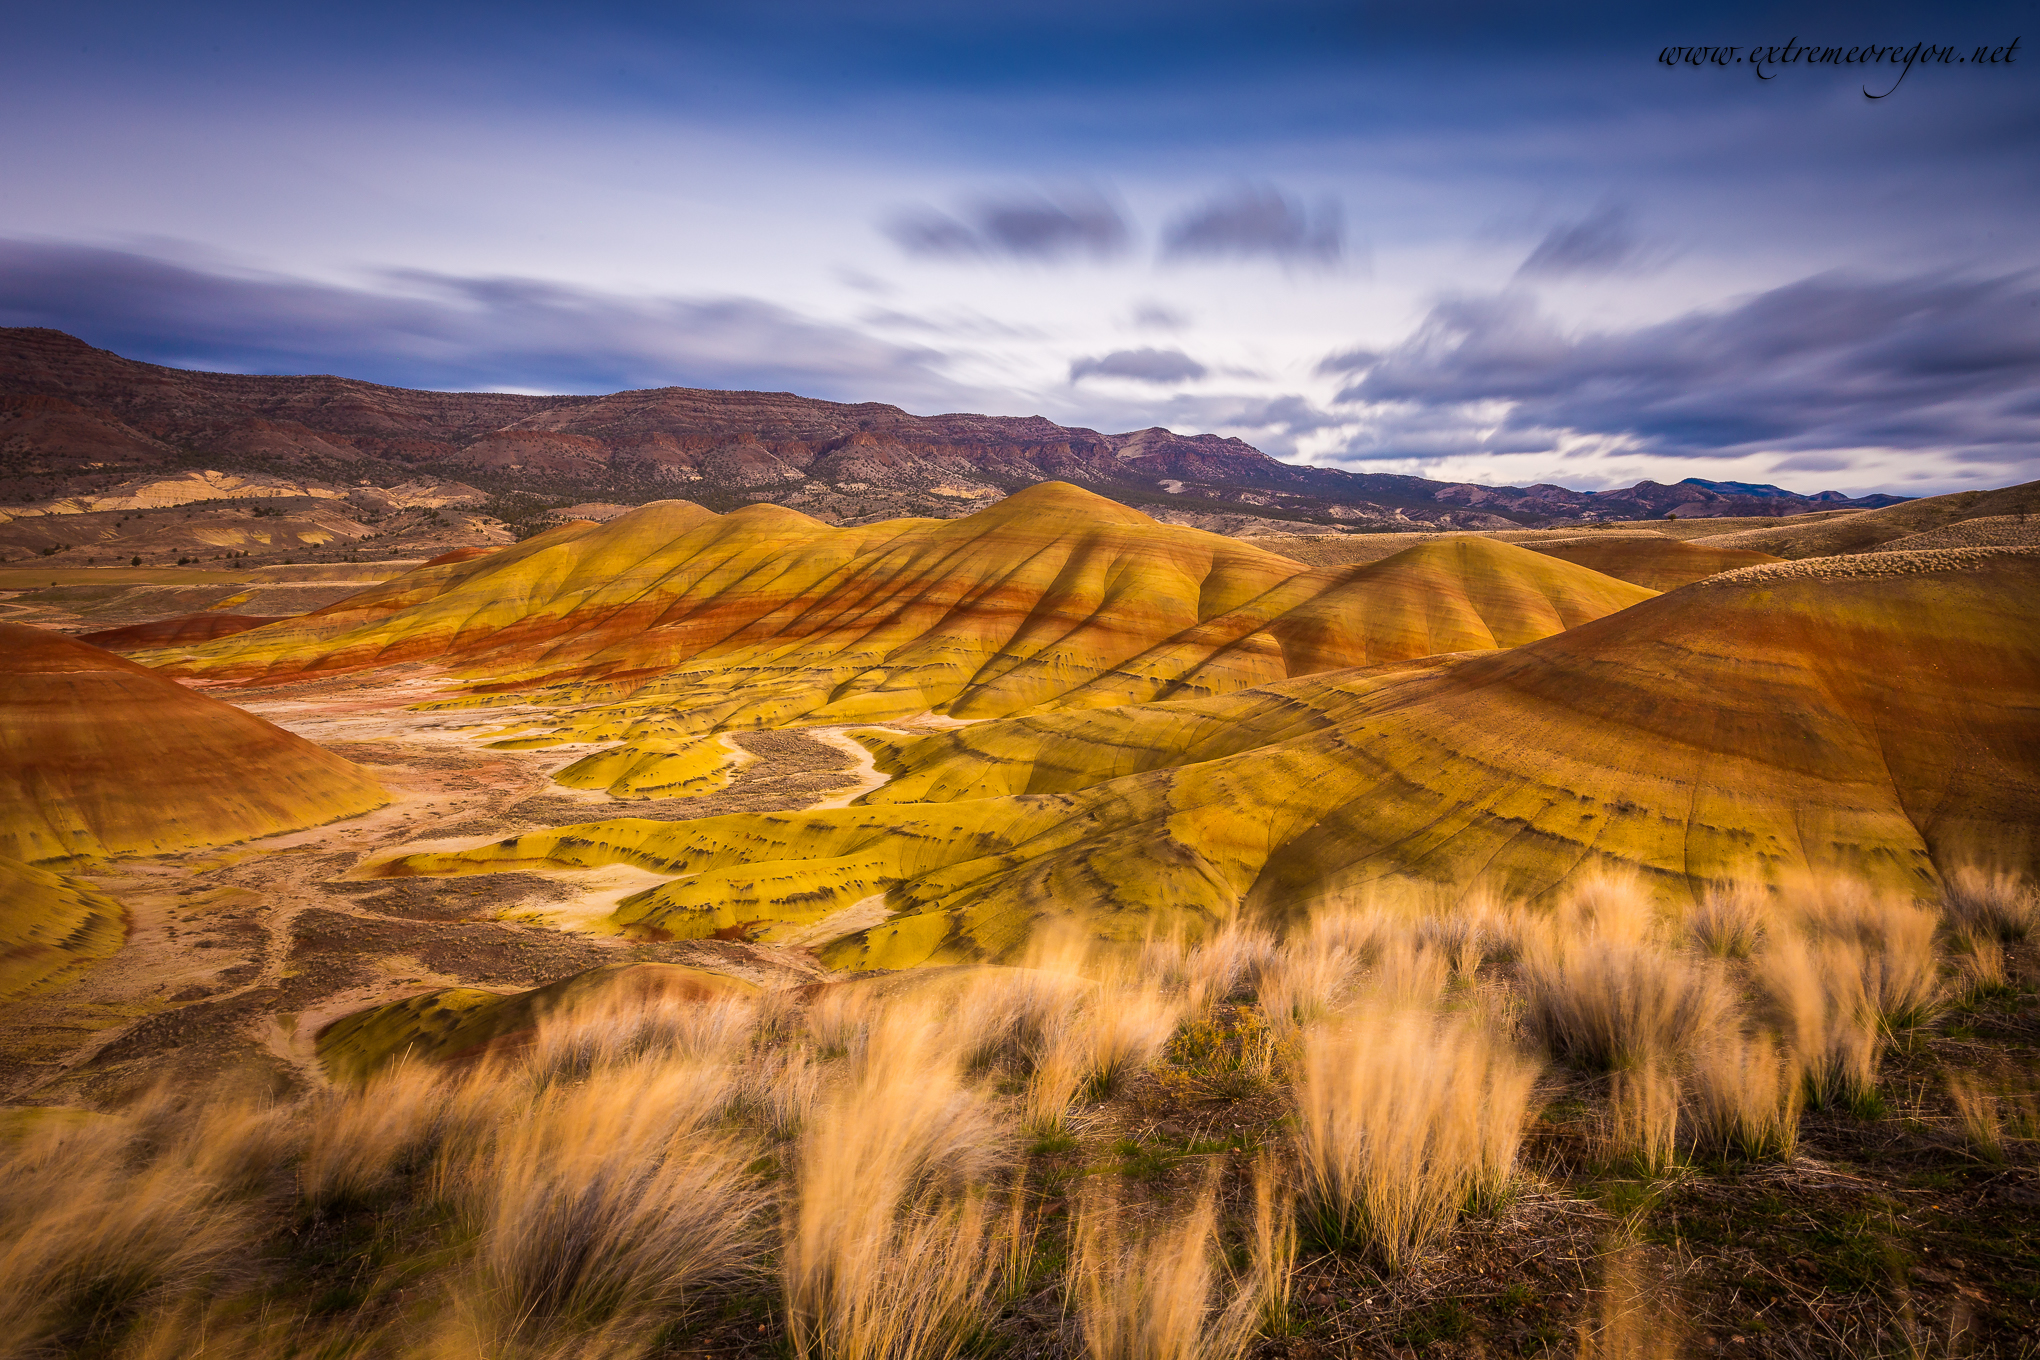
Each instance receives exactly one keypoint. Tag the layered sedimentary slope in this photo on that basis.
(99, 756)
(1879, 716)
(1648, 560)
(687, 622)
(49, 924)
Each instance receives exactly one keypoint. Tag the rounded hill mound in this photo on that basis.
(100, 756)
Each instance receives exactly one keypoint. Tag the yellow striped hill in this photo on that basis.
(1875, 716)
(671, 623)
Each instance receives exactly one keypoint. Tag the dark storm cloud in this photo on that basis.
(1257, 220)
(1828, 363)
(1600, 243)
(1160, 366)
(1036, 227)
(435, 330)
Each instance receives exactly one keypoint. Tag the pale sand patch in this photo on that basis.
(865, 770)
(599, 889)
(862, 914)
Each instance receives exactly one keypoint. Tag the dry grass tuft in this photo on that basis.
(1125, 1032)
(1405, 1117)
(1225, 966)
(1979, 963)
(1155, 1297)
(1274, 1245)
(612, 1204)
(623, 1029)
(1308, 979)
(1831, 1028)
(1744, 1097)
(1608, 906)
(778, 1090)
(1729, 921)
(1976, 1109)
(1464, 942)
(1859, 972)
(96, 1226)
(888, 1250)
(1613, 1004)
(1010, 1017)
(1641, 1128)
(362, 1141)
(1058, 1078)
(1088, 1045)
(1995, 904)
(1631, 1321)
(1894, 939)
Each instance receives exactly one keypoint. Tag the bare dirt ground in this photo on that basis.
(237, 958)
(68, 600)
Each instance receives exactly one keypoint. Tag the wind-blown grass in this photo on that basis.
(1405, 1115)
(869, 1170)
(1157, 1296)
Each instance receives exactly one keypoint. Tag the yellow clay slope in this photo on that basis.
(49, 924)
(99, 756)
(1875, 716)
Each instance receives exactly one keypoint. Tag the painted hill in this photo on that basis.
(1655, 562)
(683, 623)
(50, 923)
(2011, 508)
(1870, 715)
(99, 756)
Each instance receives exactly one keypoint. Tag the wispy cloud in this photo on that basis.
(1040, 227)
(1257, 220)
(1348, 361)
(1602, 242)
(1155, 316)
(1162, 367)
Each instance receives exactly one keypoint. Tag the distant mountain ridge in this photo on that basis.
(75, 420)
(1692, 498)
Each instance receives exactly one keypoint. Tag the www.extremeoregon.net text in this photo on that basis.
(1793, 53)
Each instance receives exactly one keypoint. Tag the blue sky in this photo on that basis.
(1492, 242)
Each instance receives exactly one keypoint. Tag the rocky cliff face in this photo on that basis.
(75, 420)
